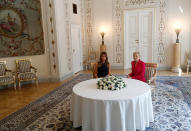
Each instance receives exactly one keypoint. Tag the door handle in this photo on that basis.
(137, 41)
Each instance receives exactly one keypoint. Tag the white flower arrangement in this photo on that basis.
(111, 83)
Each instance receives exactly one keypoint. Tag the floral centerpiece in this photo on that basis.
(111, 83)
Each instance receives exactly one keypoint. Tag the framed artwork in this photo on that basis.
(11, 22)
(21, 32)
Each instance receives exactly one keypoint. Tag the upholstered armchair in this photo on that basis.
(150, 75)
(188, 62)
(25, 71)
(6, 76)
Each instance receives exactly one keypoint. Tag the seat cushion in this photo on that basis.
(2, 70)
(6, 79)
(27, 76)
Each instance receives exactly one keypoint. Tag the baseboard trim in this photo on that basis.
(164, 68)
(169, 68)
(117, 67)
(66, 76)
(43, 80)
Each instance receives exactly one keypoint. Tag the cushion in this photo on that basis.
(6, 79)
(2, 70)
(24, 66)
(27, 76)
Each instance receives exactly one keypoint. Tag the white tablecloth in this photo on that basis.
(102, 110)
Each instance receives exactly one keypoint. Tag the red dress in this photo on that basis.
(138, 71)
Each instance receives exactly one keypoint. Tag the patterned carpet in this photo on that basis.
(172, 108)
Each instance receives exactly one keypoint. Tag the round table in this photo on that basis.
(103, 110)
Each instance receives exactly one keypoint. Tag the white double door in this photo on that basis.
(138, 35)
(76, 47)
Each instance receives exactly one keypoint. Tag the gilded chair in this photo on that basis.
(91, 60)
(150, 75)
(188, 62)
(93, 70)
(25, 71)
(6, 76)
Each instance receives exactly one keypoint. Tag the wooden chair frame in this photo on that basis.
(19, 73)
(8, 73)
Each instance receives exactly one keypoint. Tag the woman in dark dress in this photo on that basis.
(102, 68)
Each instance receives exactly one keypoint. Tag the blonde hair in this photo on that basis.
(136, 52)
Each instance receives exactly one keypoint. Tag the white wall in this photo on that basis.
(174, 15)
(103, 19)
(102, 16)
(75, 18)
(62, 43)
(41, 62)
(61, 37)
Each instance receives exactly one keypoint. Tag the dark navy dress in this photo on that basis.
(103, 70)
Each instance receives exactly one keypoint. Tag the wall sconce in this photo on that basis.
(102, 36)
(177, 30)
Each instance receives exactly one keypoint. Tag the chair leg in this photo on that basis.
(187, 69)
(36, 82)
(19, 85)
(154, 94)
(15, 86)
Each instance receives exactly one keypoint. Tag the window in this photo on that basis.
(75, 9)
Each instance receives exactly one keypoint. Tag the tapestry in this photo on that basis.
(21, 32)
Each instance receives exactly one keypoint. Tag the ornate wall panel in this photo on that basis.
(52, 37)
(89, 24)
(118, 6)
(68, 37)
(117, 32)
(160, 42)
(21, 32)
(162, 34)
(138, 3)
(82, 12)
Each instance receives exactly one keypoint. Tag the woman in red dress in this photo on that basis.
(138, 68)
